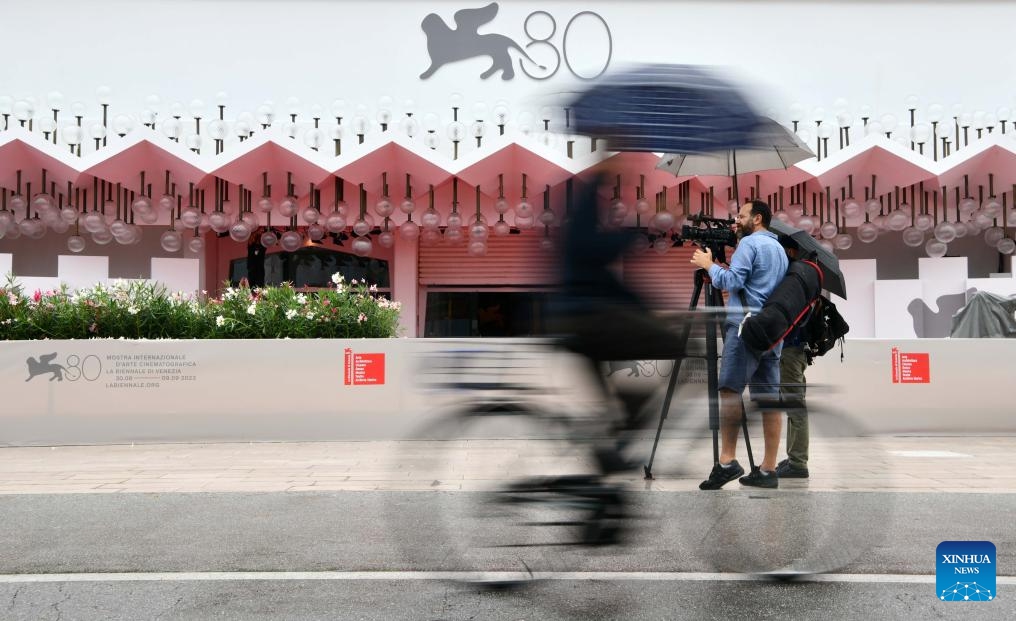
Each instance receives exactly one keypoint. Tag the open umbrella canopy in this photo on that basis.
(833, 280)
(665, 109)
(772, 147)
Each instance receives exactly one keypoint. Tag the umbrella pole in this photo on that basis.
(737, 194)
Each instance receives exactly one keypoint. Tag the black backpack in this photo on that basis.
(787, 307)
(824, 329)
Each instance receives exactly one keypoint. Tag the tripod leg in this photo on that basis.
(712, 379)
(747, 440)
(672, 385)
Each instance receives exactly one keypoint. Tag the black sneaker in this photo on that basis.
(761, 478)
(785, 471)
(720, 476)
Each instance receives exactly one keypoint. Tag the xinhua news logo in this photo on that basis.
(965, 571)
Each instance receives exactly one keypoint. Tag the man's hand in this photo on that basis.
(703, 258)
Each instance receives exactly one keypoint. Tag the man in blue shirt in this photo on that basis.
(758, 264)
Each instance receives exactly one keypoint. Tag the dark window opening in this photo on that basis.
(487, 313)
(313, 267)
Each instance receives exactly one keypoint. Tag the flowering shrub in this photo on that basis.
(141, 310)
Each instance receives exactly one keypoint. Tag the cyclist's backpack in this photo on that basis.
(824, 329)
(787, 306)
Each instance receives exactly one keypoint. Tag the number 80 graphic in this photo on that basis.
(544, 42)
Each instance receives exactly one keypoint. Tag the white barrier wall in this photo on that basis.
(98, 391)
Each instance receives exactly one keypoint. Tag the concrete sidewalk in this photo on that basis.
(898, 463)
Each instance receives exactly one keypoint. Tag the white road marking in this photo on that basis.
(463, 576)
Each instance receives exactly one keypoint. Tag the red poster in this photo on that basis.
(364, 369)
(909, 368)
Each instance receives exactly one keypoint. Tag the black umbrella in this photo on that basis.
(666, 108)
(833, 280)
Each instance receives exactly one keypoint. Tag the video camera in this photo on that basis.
(715, 234)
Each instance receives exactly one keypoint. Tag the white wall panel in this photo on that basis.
(892, 317)
(81, 272)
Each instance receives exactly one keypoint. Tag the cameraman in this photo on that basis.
(758, 264)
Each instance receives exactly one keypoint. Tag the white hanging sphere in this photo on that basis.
(806, 224)
(477, 248)
(935, 248)
(69, 214)
(118, 227)
(992, 206)
(662, 220)
(642, 207)
(924, 222)
(288, 207)
(335, 222)
(843, 241)
(150, 216)
(167, 201)
(453, 234)
(962, 229)
(547, 217)
(478, 231)
(983, 220)
(851, 208)
(191, 217)
(219, 221)
(454, 220)
(501, 206)
(316, 232)
(867, 232)
(384, 208)
(993, 235)
(429, 236)
(60, 226)
(361, 227)
(239, 232)
(882, 222)
(410, 230)
(873, 207)
(524, 209)
(524, 222)
(502, 228)
(386, 239)
(913, 236)
(546, 244)
(362, 246)
(265, 205)
(17, 201)
(968, 205)
(407, 206)
(193, 141)
(102, 237)
(196, 244)
(94, 222)
(268, 238)
(661, 245)
(1006, 245)
(782, 216)
(828, 230)
(430, 219)
(75, 243)
(171, 241)
(290, 241)
(310, 215)
(945, 232)
(897, 220)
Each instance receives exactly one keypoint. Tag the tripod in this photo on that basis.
(714, 299)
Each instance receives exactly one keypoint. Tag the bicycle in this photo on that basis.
(532, 503)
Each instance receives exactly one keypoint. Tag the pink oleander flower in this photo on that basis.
(362, 318)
